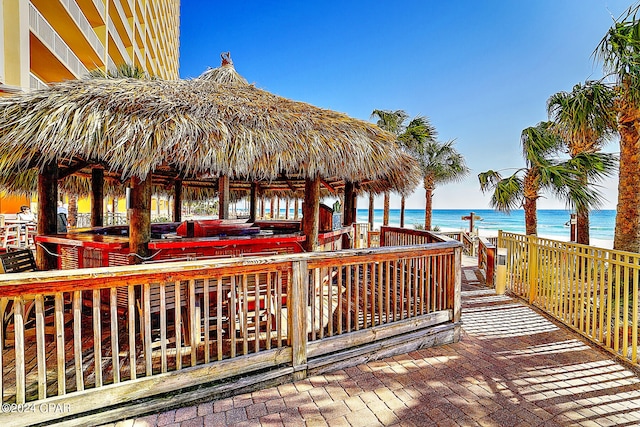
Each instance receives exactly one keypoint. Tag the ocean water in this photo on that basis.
(551, 223)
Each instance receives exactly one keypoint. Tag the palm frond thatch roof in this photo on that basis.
(202, 128)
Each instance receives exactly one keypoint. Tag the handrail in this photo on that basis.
(462, 236)
(398, 236)
(592, 290)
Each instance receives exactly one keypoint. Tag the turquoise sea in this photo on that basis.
(551, 223)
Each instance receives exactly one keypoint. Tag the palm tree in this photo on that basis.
(122, 71)
(620, 52)
(512, 192)
(584, 118)
(391, 121)
(440, 163)
(544, 171)
(411, 136)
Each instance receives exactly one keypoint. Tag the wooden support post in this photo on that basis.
(223, 197)
(47, 214)
(354, 204)
(272, 208)
(177, 200)
(490, 261)
(297, 319)
(385, 213)
(348, 218)
(311, 213)
(347, 212)
(371, 211)
(573, 222)
(140, 225)
(253, 202)
(19, 346)
(296, 209)
(456, 291)
(97, 197)
(73, 210)
(114, 209)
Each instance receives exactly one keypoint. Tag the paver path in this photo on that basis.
(513, 367)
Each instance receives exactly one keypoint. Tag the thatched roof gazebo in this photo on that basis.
(215, 129)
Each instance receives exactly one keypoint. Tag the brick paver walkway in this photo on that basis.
(513, 367)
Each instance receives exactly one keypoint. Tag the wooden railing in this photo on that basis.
(487, 260)
(111, 336)
(592, 290)
(397, 236)
(360, 235)
(83, 220)
(493, 240)
(467, 240)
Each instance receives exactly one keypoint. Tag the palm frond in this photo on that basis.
(508, 194)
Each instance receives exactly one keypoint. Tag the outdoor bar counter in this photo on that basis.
(189, 240)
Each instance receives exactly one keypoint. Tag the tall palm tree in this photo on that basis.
(584, 118)
(440, 163)
(538, 146)
(391, 121)
(543, 171)
(412, 137)
(620, 53)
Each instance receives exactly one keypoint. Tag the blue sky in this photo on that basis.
(480, 70)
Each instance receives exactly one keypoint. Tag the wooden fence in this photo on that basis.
(104, 337)
(594, 291)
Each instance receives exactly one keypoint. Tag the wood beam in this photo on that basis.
(140, 225)
(328, 186)
(272, 208)
(47, 214)
(223, 197)
(347, 212)
(177, 200)
(72, 169)
(253, 202)
(311, 213)
(97, 197)
(371, 210)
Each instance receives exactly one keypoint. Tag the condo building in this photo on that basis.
(47, 41)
